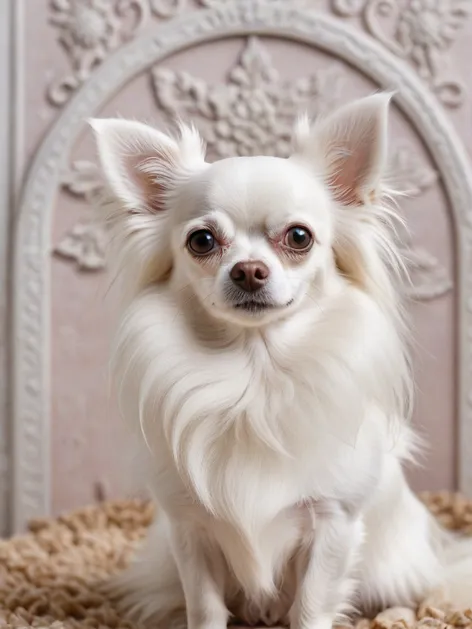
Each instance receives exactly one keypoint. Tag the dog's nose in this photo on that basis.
(250, 275)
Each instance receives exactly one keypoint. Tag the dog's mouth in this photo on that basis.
(258, 307)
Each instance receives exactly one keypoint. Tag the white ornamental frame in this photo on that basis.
(32, 258)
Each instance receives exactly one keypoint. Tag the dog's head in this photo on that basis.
(252, 237)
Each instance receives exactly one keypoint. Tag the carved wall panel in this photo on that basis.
(241, 71)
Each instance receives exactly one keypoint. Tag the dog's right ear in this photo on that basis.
(141, 164)
(143, 169)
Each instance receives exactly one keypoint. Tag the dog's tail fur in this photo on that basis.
(149, 591)
(407, 556)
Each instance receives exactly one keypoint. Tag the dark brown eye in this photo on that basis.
(298, 238)
(201, 242)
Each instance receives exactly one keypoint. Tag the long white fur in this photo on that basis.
(276, 442)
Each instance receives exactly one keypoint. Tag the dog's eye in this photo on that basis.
(298, 238)
(201, 242)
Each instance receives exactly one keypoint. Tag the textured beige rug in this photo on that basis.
(48, 578)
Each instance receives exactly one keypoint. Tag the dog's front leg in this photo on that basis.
(323, 583)
(202, 578)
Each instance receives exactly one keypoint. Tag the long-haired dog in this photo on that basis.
(262, 356)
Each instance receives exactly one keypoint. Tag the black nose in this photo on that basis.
(250, 276)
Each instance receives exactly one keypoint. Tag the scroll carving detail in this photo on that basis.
(89, 30)
(423, 31)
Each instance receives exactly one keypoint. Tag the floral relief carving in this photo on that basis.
(252, 113)
(85, 243)
(408, 174)
(418, 30)
(88, 31)
(421, 31)
(428, 277)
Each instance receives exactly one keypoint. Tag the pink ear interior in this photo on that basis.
(349, 148)
(143, 173)
(139, 163)
(351, 173)
(142, 164)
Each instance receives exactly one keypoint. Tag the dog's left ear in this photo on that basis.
(348, 149)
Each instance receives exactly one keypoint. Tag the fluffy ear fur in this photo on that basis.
(349, 148)
(142, 164)
(143, 169)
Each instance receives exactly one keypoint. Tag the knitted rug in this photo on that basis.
(48, 577)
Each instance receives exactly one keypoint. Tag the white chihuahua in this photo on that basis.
(261, 354)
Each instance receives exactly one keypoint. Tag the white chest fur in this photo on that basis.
(244, 428)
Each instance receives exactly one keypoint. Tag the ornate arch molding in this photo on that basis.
(31, 274)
